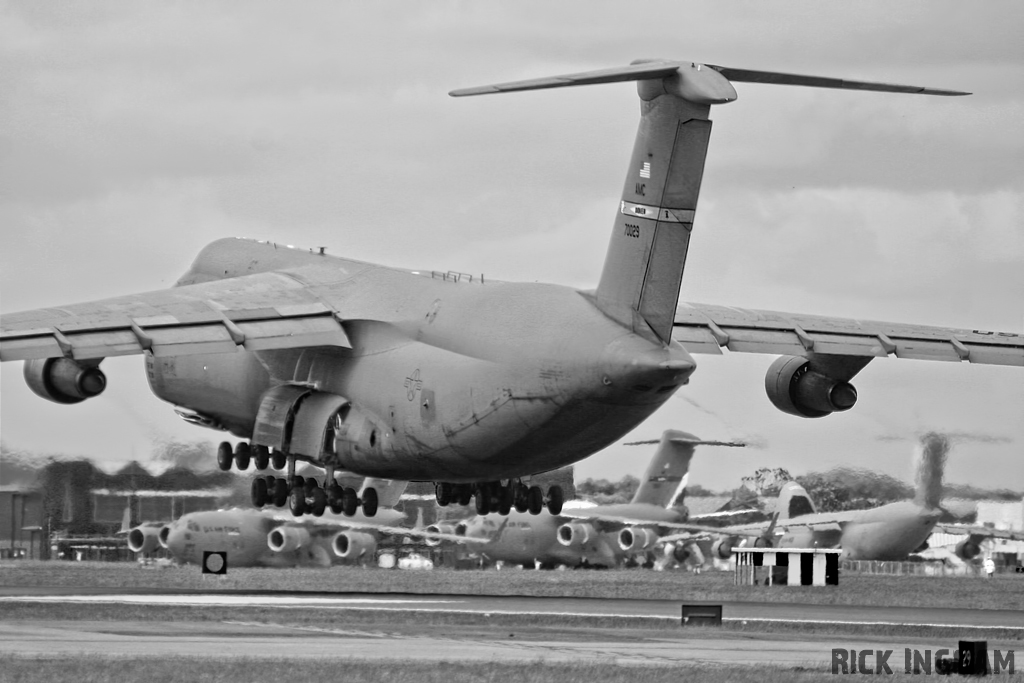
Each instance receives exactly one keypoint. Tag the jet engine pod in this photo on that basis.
(574, 534)
(165, 531)
(63, 380)
(285, 539)
(797, 387)
(441, 528)
(144, 538)
(681, 553)
(351, 545)
(722, 548)
(967, 549)
(633, 539)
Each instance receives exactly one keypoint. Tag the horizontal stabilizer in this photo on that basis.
(777, 78)
(633, 72)
(692, 442)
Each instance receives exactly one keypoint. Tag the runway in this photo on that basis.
(525, 605)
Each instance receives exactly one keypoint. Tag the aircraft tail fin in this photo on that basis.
(794, 501)
(668, 471)
(126, 520)
(389, 491)
(643, 269)
(930, 468)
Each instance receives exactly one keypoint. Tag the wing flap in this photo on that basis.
(700, 328)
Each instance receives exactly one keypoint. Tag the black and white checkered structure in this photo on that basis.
(804, 566)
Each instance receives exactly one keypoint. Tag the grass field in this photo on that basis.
(1005, 591)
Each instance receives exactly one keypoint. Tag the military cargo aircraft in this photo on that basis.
(601, 536)
(255, 538)
(444, 377)
(888, 532)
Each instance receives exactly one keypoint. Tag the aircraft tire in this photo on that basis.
(555, 500)
(535, 500)
(520, 496)
(261, 456)
(464, 494)
(370, 502)
(258, 492)
(319, 502)
(443, 493)
(278, 460)
(335, 494)
(505, 497)
(483, 500)
(297, 501)
(242, 456)
(280, 492)
(349, 501)
(299, 482)
(224, 456)
(309, 486)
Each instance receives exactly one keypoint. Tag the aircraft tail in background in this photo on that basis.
(794, 502)
(930, 469)
(667, 474)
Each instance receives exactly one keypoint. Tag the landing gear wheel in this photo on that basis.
(443, 493)
(319, 502)
(334, 498)
(370, 502)
(278, 460)
(261, 456)
(520, 495)
(242, 455)
(535, 500)
(224, 456)
(483, 500)
(349, 501)
(504, 500)
(555, 499)
(309, 486)
(298, 482)
(280, 492)
(464, 494)
(258, 492)
(297, 501)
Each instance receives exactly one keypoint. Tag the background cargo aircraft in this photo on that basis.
(255, 538)
(888, 532)
(443, 377)
(602, 536)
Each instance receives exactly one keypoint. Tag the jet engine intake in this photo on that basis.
(351, 545)
(441, 528)
(797, 387)
(285, 539)
(63, 380)
(634, 539)
(967, 549)
(144, 538)
(574, 534)
(722, 548)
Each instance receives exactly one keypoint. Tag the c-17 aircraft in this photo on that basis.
(471, 384)
(260, 538)
(889, 532)
(601, 536)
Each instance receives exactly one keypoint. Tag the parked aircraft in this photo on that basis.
(444, 377)
(888, 532)
(605, 535)
(255, 538)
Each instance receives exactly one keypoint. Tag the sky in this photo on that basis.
(132, 134)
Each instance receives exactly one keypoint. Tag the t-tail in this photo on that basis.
(930, 467)
(667, 474)
(646, 257)
(794, 502)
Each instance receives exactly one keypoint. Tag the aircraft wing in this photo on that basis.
(703, 328)
(978, 531)
(254, 312)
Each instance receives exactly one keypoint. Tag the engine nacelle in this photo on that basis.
(351, 545)
(722, 548)
(796, 387)
(63, 380)
(967, 549)
(442, 528)
(574, 534)
(285, 539)
(144, 538)
(633, 539)
(165, 531)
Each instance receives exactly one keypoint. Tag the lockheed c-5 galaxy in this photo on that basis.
(471, 384)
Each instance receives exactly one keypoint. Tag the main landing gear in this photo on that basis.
(301, 494)
(494, 496)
